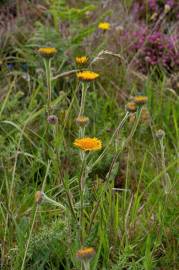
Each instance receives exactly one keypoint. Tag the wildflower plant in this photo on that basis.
(105, 179)
(47, 54)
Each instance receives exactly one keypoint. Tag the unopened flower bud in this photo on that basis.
(82, 121)
(167, 8)
(119, 29)
(52, 119)
(39, 197)
(160, 134)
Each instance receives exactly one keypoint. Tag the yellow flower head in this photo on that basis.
(81, 60)
(87, 75)
(140, 100)
(104, 26)
(85, 253)
(88, 144)
(131, 107)
(47, 52)
(82, 120)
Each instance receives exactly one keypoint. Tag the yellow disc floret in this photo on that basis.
(47, 51)
(85, 253)
(88, 144)
(81, 60)
(87, 75)
(140, 100)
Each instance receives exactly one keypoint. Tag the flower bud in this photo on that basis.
(39, 197)
(160, 134)
(82, 121)
(52, 119)
(167, 8)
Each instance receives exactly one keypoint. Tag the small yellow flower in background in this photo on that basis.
(47, 51)
(131, 107)
(85, 253)
(81, 60)
(82, 121)
(87, 75)
(104, 26)
(140, 100)
(88, 144)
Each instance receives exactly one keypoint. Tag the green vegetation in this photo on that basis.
(121, 199)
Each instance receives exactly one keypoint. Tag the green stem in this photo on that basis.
(28, 241)
(121, 124)
(166, 182)
(83, 98)
(86, 265)
(47, 63)
(70, 203)
(82, 189)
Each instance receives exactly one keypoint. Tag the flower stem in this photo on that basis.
(86, 265)
(166, 178)
(83, 98)
(29, 238)
(121, 124)
(82, 189)
(47, 63)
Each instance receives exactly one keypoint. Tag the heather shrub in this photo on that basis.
(155, 49)
(152, 9)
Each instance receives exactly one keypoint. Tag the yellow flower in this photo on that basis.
(131, 107)
(87, 75)
(140, 100)
(47, 52)
(104, 25)
(82, 120)
(81, 60)
(88, 144)
(85, 253)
